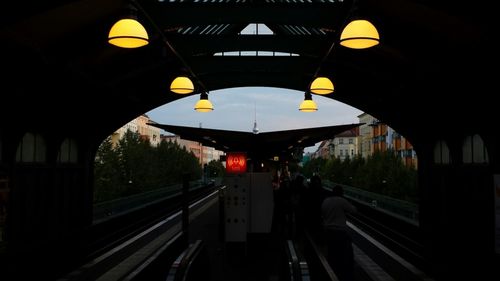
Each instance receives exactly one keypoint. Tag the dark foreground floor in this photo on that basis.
(260, 258)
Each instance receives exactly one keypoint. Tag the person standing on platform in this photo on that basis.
(334, 210)
(313, 199)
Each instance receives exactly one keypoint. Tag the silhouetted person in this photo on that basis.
(338, 239)
(314, 197)
(286, 194)
(297, 190)
(281, 190)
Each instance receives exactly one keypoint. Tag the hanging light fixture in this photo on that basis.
(128, 32)
(322, 86)
(359, 34)
(203, 105)
(308, 105)
(182, 85)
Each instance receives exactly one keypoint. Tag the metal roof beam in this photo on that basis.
(312, 46)
(252, 64)
(302, 14)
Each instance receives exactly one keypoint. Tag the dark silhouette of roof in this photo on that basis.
(263, 144)
(430, 53)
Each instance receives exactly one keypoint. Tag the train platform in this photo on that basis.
(262, 257)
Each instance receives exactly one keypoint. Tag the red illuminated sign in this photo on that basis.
(236, 162)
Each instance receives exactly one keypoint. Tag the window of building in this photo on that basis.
(409, 153)
(351, 141)
(441, 153)
(341, 141)
(352, 152)
(341, 152)
(474, 151)
(68, 152)
(31, 149)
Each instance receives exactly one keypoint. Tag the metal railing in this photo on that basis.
(402, 209)
(105, 210)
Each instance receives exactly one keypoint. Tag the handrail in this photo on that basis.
(404, 210)
(103, 211)
(293, 262)
(299, 269)
(181, 266)
(326, 273)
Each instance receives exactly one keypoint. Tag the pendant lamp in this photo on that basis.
(322, 86)
(359, 34)
(203, 105)
(182, 85)
(308, 105)
(128, 33)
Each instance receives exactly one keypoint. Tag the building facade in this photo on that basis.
(373, 135)
(365, 135)
(140, 125)
(342, 146)
(324, 150)
(205, 154)
(345, 144)
(384, 138)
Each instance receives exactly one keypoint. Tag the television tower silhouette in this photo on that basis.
(255, 130)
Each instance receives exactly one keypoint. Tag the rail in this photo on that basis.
(183, 267)
(397, 232)
(390, 263)
(403, 238)
(293, 262)
(131, 258)
(318, 265)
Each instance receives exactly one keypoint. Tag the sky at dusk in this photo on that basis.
(274, 108)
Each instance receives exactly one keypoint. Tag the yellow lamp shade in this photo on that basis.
(128, 33)
(322, 86)
(308, 105)
(182, 85)
(359, 34)
(203, 105)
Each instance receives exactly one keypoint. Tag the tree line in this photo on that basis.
(134, 166)
(383, 173)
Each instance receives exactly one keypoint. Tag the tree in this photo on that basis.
(106, 179)
(134, 166)
(135, 159)
(215, 169)
(313, 166)
(382, 173)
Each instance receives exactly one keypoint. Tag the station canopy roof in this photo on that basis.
(262, 145)
(59, 66)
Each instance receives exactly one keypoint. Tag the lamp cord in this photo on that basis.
(325, 57)
(165, 40)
